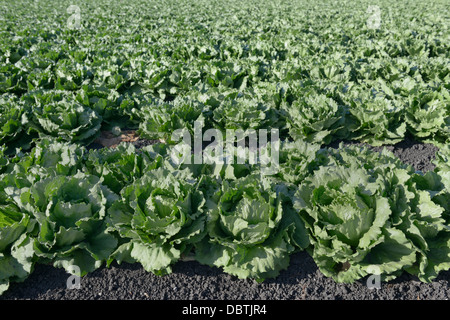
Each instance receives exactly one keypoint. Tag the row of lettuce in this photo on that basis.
(357, 212)
(300, 111)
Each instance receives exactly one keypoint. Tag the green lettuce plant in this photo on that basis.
(158, 217)
(377, 121)
(14, 124)
(57, 114)
(428, 117)
(102, 100)
(366, 215)
(121, 166)
(315, 118)
(251, 230)
(240, 113)
(161, 119)
(16, 245)
(430, 224)
(49, 157)
(70, 212)
(297, 160)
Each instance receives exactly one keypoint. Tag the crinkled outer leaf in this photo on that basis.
(442, 163)
(88, 254)
(23, 251)
(394, 253)
(9, 267)
(17, 264)
(223, 161)
(212, 254)
(122, 254)
(102, 100)
(101, 245)
(13, 224)
(77, 257)
(154, 257)
(362, 157)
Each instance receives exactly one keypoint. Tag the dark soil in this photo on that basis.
(193, 281)
(418, 155)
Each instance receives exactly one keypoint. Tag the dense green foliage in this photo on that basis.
(316, 71)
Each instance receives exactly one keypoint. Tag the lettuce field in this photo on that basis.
(282, 82)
